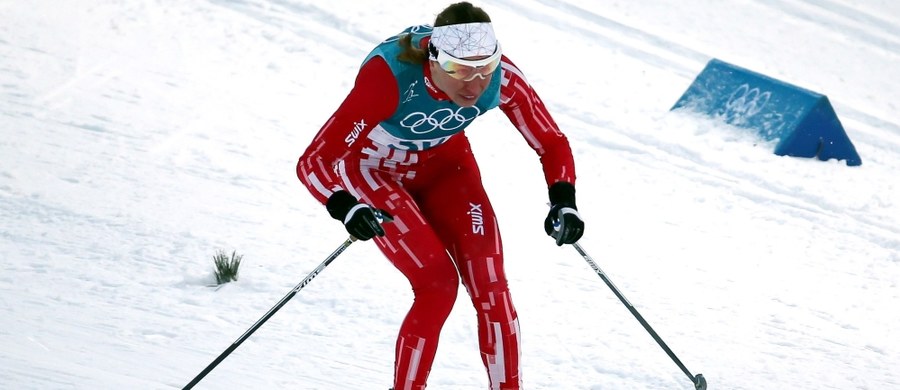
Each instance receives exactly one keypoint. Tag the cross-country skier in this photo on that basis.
(397, 144)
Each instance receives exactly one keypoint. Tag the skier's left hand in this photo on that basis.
(563, 222)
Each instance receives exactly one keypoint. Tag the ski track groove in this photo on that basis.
(291, 17)
(870, 30)
(683, 68)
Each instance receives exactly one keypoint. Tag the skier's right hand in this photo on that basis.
(359, 219)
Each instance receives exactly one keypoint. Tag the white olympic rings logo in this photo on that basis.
(444, 119)
(745, 102)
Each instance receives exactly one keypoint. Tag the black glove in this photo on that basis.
(563, 222)
(360, 219)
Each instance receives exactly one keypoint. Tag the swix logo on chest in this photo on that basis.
(477, 218)
(357, 128)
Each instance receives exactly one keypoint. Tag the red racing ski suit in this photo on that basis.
(444, 229)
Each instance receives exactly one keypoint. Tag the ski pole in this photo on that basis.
(270, 313)
(698, 380)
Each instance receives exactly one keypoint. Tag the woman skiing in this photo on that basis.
(396, 144)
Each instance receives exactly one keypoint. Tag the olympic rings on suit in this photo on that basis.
(444, 119)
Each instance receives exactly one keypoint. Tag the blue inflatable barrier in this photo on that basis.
(803, 122)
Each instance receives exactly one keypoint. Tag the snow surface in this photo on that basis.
(140, 137)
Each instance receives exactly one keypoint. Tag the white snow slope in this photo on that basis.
(140, 137)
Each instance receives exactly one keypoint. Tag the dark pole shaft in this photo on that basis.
(696, 380)
(269, 314)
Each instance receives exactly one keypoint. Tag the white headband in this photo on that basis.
(465, 40)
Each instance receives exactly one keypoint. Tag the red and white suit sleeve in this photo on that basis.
(527, 112)
(373, 99)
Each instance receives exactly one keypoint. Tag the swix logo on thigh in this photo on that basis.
(357, 128)
(477, 218)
